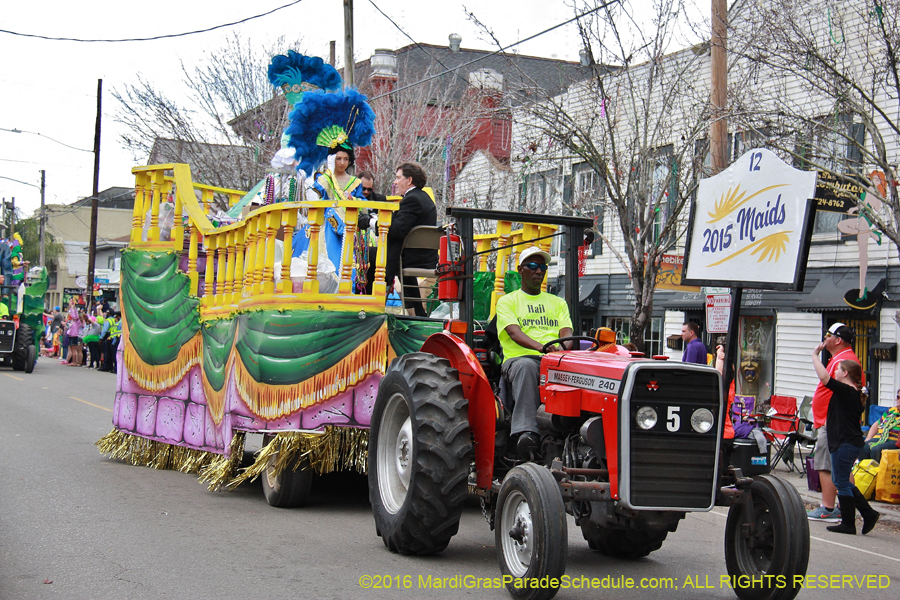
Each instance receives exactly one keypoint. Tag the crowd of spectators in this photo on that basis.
(82, 338)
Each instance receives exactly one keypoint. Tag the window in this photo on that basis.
(835, 144)
(589, 200)
(653, 342)
(429, 150)
(663, 189)
(541, 192)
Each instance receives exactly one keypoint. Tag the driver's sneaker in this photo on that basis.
(824, 514)
(527, 446)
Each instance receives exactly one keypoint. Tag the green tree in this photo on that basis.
(30, 231)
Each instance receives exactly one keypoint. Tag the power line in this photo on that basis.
(418, 45)
(47, 137)
(150, 39)
(503, 49)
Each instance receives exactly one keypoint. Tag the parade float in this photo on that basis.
(228, 329)
(22, 297)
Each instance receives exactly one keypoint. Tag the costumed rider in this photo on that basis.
(527, 319)
(326, 127)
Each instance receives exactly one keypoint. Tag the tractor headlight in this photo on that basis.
(646, 417)
(702, 420)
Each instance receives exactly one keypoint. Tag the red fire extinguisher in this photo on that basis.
(449, 267)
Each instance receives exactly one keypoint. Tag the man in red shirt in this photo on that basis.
(839, 343)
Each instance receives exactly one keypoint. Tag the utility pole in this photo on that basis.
(332, 52)
(348, 43)
(12, 218)
(43, 214)
(92, 252)
(718, 147)
(718, 134)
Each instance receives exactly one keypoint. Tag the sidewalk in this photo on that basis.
(889, 512)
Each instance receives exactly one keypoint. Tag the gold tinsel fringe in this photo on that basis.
(219, 472)
(335, 449)
(150, 453)
(156, 378)
(270, 402)
(215, 399)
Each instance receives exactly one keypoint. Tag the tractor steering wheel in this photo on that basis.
(546, 347)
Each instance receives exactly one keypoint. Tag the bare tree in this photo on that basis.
(227, 128)
(431, 123)
(635, 129)
(826, 93)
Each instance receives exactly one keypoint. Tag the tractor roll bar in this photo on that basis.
(464, 218)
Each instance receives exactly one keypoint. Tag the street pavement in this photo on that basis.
(76, 525)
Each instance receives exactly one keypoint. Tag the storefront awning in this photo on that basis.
(686, 301)
(589, 298)
(830, 293)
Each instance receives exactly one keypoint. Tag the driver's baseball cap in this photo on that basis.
(531, 252)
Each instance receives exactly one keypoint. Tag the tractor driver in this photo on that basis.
(527, 319)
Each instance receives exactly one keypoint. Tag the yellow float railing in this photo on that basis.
(509, 244)
(240, 258)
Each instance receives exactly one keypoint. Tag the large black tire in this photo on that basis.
(288, 489)
(776, 542)
(24, 341)
(30, 359)
(622, 543)
(419, 454)
(531, 535)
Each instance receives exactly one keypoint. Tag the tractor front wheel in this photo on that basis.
(767, 534)
(531, 536)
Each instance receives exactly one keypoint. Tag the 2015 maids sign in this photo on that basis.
(751, 225)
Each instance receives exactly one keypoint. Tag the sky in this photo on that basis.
(48, 88)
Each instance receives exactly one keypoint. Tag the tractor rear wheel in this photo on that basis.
(767, 535)
(531, 534)
(30, 359)
(622, 543)
(419, 454)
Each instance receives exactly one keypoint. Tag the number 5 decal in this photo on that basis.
(673, 419)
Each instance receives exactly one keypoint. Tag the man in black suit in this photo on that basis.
(416, 208)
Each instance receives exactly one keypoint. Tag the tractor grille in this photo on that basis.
(671, 465)
(7, 336)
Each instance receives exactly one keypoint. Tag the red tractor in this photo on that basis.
(629, 447)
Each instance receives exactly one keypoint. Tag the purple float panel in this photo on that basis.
(146, 416)
(127, 412)
(337, 411)
(195, 424)
(364, 400)
(195, 379)
(170, 419)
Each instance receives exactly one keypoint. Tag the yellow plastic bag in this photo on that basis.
(887, 484)
(864, 475)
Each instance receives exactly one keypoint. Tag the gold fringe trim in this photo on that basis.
(151, 453)
(156, 378)
(221, 471)
(271, 402)
(337, 448)
(215, 399)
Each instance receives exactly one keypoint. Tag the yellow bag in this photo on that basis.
(887, 484)
(864, 475)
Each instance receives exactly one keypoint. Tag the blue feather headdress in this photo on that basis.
(296, 73)
(321, 121)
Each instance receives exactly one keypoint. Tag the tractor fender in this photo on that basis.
(477, 389)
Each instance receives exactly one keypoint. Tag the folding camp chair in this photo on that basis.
(785, 431)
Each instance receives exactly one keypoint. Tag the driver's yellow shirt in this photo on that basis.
(540, 317)
(4, 311)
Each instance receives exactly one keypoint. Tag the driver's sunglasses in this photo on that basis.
(365, 189)
(535, 266)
